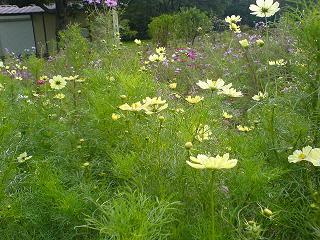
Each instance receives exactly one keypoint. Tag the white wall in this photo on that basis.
(16, 33)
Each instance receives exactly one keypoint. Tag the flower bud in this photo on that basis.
(188, 145)
(260, 42)
(244, 43)
(115, 116)
(267, 212)
(161, 119)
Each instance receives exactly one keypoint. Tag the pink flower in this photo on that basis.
(41, 82)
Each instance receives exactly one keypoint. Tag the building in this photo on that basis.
(29, 27)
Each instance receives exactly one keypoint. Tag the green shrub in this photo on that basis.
(161, 29)
(75, 47)
(191, 23)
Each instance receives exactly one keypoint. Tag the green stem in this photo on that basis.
(272, 131)
(212, 185)
(267, 28)
(252, 68)
(159, 155)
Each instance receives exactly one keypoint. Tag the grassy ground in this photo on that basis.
(92, 176)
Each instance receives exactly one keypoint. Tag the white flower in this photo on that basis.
(314, 157)
(264, 8)
(306, 154)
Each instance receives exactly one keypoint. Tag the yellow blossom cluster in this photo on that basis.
(260, 96)
(148, 105)
(232, 21)
(219, 85)
(159, 56)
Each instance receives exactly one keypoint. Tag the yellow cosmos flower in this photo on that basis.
(115, 116)
(307, 154)
(138, 42)
(279, 62)
(143, 69)
(227, 115)
(232, 19)
(71, 78)
(206, 162)
(23, 157)
(57, 82)
(260, 96)
(180, 110)
(229, 91)
(44, 78)
(203, 133)
(154, 105)
(235, 28)
(244, 128)
(194, 100)
(173, 85)
(157, 58)
(59, 96)
(212, 85)
(135, 107)
(161, 50)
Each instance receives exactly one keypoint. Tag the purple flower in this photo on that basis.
(111, 3)
(92, 1)
(192, 54)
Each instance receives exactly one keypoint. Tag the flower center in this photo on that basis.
(302, 156)
(264, 10)
(58, 82)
